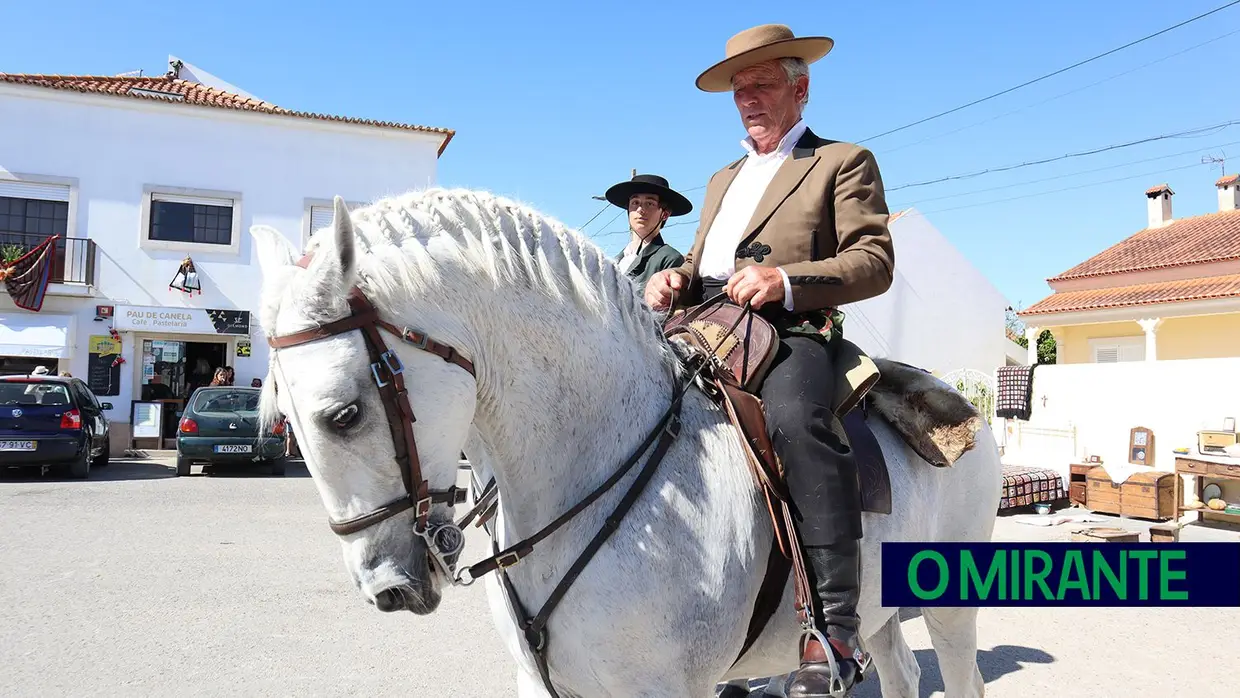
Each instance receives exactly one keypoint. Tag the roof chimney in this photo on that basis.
(1228, 193)
(1159, 205)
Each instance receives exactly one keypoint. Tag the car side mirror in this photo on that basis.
(106, 406)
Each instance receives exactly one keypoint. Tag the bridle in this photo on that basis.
(443, 540)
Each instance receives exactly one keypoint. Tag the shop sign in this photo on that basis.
(135, 318)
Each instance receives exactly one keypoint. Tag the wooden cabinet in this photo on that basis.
(1147, 495)
(1078, 482)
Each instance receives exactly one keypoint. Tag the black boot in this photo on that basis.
(834, 575)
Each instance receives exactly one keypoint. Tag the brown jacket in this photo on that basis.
(823, 219)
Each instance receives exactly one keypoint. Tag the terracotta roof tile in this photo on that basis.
(1158, 190)
(187, 92)
(1140, 294)
(1229, 179)
(1210, 238)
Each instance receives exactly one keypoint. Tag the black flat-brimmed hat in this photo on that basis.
(676, 203)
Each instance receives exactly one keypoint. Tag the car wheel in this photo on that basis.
(102, 460)
(79, 468)
(182, 466)
(277, 467)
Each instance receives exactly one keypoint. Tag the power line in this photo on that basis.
(1060, 96)
(1064, 189)
(600, 212)
(1062, 176)
(1095, 151)
(1051, 75)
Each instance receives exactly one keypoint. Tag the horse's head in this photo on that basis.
(386, 474)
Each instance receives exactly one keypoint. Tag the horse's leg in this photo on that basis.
(897, 666)
(953, 632)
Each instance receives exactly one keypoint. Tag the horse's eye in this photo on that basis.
(346, 417)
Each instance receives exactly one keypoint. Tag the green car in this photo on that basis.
(220, 425)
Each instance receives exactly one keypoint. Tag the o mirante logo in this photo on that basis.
(1061, 574)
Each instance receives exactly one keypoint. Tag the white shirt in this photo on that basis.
(628, 258)
(738, 206)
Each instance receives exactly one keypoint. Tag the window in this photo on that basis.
(318, 214)
(30, 209)
(191, 219)
(1112, 350)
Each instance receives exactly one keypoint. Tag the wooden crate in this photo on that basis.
(1146, 495)
(1105, 535)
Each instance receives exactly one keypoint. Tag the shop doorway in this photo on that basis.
(172, 370)
(25, 365)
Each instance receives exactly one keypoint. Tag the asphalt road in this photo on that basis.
(138, 583)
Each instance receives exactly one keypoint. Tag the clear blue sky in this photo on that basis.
(554, 101)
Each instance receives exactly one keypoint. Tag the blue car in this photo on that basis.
(54, 422)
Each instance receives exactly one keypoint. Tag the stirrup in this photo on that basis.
(858, 656)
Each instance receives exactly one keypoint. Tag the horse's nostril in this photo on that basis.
(389, 600)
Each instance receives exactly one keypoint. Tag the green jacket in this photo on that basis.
(656, 257)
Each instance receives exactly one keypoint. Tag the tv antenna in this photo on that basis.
(1210, 159)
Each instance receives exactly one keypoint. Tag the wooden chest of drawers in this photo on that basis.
(1145, 495)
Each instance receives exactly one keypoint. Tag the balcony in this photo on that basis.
(73, 259)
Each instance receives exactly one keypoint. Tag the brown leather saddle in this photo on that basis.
(740, 346)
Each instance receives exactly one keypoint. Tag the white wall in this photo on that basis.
(113, 147)
(1175, 399)
(940, 314)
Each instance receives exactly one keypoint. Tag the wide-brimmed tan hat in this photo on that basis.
(756, 45)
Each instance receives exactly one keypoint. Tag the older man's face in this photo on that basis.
(768, 104)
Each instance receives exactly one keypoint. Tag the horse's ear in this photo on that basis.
(342, 232)
(334, 268)
(273, 249)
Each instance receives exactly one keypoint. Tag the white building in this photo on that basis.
(136, 175)
(941, 313)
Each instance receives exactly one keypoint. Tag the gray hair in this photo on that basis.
(793, 69)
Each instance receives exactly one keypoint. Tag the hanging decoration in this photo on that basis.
(26, 275)
(186, 278)
(118, 361)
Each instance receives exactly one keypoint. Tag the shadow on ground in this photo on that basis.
(993, 663)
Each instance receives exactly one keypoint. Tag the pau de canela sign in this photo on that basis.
(134, 318)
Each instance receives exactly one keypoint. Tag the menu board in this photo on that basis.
(102, 376)
(147, 419)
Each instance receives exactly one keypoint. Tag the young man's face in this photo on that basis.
(645, 214)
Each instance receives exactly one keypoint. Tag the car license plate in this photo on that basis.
(233, 449)
(17, 445)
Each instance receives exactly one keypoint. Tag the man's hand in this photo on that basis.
(756, 285)
(659, 288)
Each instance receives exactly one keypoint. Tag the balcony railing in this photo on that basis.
(73, 259)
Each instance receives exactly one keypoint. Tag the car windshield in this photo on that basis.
(21, 393)
(230, 400)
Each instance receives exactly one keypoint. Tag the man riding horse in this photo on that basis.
(796, 228)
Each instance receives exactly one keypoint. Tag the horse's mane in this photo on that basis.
(488, 237)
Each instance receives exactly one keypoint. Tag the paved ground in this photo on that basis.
(138, 583)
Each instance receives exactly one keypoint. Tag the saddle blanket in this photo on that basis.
(1024, 485)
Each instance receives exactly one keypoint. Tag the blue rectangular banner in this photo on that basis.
(1061, 574)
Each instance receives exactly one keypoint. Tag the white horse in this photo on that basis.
(571, 374)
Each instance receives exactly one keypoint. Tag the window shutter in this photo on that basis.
(34, 190)
(1132, 352)
(195, 200)
(320, 217)
(1106, 355)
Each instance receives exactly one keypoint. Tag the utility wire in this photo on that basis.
(1064, 189)
(600, 212)
(1083, 153)
(1062, 176)
(1051, 75)
(1060, 96)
